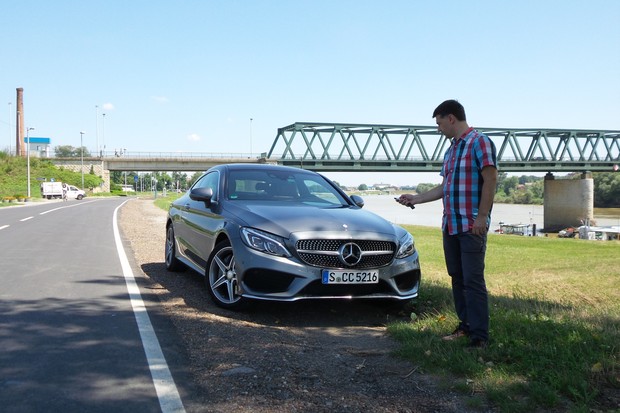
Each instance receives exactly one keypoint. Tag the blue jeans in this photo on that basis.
(464, 255)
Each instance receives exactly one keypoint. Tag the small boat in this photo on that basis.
(569, 232)
(516, 229)
(599, 233)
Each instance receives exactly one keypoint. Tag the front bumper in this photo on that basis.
(267, 277)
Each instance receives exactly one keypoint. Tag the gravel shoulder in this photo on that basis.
(313, 356)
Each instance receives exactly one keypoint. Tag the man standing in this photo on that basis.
(469, 174)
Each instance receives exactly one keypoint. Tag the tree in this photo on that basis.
(538, 189)
(194, 178)
(68, 151)
(179, 180)
(64, 151)
(510, 184)
(606, 189)
(362, 187)
(422, 188)
(82, 151)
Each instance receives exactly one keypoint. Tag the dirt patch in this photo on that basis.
(314, 356)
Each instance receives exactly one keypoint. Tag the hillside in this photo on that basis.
(14, 172)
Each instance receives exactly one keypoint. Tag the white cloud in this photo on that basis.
(193, 137)
(108, 106)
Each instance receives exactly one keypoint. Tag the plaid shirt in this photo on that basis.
(462, 189)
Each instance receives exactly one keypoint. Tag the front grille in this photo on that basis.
(323, 253)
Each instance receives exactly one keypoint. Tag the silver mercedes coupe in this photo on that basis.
(267, 232)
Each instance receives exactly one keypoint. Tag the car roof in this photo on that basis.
(246, 166)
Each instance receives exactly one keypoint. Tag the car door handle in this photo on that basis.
(186, 206)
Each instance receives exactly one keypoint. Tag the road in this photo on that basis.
(74, 331)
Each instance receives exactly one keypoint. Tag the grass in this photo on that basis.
(164, 202)
(555, 324)
(13, 176)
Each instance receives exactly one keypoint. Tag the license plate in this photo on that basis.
(350, 277)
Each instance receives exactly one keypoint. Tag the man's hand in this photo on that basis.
(480, 225)
(406, 200)
(489, 182)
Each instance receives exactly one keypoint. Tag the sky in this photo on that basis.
(222, 76)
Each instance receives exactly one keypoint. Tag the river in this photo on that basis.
(429, 214)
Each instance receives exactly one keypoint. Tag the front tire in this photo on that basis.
(221, 277)
(172, 262)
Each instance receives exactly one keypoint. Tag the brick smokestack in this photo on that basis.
(20, 147)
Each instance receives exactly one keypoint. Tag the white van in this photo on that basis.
(51, 190)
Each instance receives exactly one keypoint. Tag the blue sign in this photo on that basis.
(135, 178)
(45, 141)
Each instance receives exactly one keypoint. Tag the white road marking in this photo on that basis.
(66, 206)
(4, 226)
(167, 392)
(25, 219)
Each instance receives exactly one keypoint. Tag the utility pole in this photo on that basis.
(28, 157)
(19, 130)
(82, 157)
(10, 129)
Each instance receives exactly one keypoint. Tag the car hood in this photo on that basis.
(286, 220)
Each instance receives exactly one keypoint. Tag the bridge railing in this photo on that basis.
(174, 155)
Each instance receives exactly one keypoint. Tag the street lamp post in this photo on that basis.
(97, 128)
(82, 156)
(28, 156)
(10, 129)
(103, 132)
(251, 137)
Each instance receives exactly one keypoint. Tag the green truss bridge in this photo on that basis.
(382, 148)
(404, 148)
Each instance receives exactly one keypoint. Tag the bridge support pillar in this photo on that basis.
(105, 175)
(568, 202)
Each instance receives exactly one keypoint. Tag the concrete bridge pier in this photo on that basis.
(97, 167)
(568, 202)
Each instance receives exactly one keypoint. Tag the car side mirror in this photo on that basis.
(358, 200)
(202, 194)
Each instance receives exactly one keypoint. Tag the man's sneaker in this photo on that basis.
(458, 333)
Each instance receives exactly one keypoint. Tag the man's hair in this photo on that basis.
(450, 107)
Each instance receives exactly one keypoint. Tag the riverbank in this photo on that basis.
(430, 214)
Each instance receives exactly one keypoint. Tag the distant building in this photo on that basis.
(127, 188)
(39, 147)
(381, 187)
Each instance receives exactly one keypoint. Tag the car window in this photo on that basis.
(210, 180)
(322, 192)
(283, 187)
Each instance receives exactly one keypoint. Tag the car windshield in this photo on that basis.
(282, 186)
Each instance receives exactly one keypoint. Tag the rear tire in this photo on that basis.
(172, 262)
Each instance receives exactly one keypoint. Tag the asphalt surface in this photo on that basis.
(74, 333)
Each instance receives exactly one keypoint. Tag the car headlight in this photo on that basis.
(407, 246)
(264, 242)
